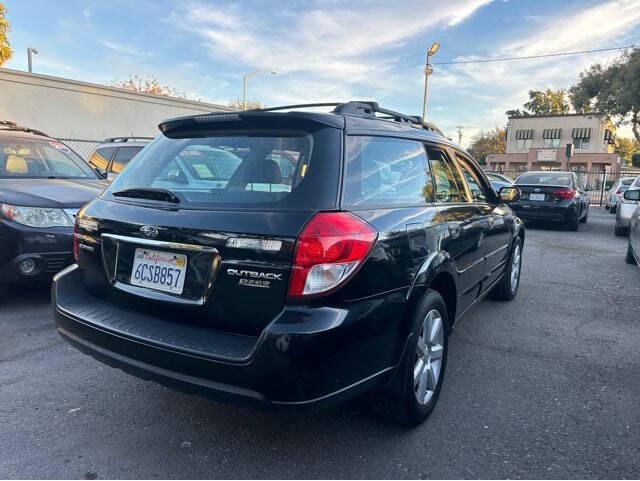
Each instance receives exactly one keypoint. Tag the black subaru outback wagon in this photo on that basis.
(290, 259)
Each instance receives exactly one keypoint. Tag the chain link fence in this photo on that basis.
(83, 147)
(599, 182)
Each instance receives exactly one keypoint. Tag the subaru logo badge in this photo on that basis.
(536, 189)
(149, 231)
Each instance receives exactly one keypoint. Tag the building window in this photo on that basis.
(524, 144)
(581, 144)
(521, 167)
(581, 138)
(552, 137)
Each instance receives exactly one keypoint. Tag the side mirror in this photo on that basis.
(509, 194)
(632, 195)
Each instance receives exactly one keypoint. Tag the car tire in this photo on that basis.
(508, 286)
(574, 224)
(585, 218)
(4, 293)
(621, 231)
(420, 385)
(630, 259)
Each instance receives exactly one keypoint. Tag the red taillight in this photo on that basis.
(75, 240)
(329, 250)
(565, 194)
(619, 191)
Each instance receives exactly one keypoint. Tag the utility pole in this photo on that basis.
(460, 127)
(428, 71)
(30, 52)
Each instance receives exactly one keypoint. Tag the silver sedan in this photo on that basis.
(625, 210)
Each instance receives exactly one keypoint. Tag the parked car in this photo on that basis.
(552, 196)
(633, 248)
(42, 185)
(499, 177)
(329, 261)
(625, 210)
(614, 194)
(498, 181)
(114, 153)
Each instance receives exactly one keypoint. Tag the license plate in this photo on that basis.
(163, 271)
(536, 196)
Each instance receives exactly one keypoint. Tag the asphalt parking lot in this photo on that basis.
(547, 386)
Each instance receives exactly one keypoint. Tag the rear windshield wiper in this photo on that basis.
(148, 193)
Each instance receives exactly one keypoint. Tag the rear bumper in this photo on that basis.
(306, 359)
(546, 211)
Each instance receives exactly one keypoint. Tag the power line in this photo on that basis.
(506, 59)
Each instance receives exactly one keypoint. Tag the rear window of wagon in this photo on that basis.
(243, 170)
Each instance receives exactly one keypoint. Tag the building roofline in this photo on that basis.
(556, 115)
(108, 88)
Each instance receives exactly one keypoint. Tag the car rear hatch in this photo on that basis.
(201, 227)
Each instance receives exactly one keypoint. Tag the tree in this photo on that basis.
(548, 102)
(488, 142)
(635, 160)
(626, 148)
(5, 48)
(543, 102)
(150, 85)
(251, 104)
(613, 91)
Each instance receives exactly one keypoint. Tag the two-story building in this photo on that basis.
(540, 142)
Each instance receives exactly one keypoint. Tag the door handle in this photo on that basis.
(454, 230)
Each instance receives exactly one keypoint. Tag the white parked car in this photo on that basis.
(614, 194)
(625, 210)
(633, 249)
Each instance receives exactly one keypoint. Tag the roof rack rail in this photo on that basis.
(362, 108)
(295, 106)
(126, 138)
(369, 109)
(10, 125)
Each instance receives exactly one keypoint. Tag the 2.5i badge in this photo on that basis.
(254, 278)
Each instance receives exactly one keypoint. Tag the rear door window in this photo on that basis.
(122, 158)
(101, 157)
(386, 171)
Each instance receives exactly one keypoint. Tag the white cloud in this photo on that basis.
(350, 42)
(577, 30)
(124, 48)
(599, 26)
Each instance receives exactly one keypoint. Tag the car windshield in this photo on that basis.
(545, 178)
(34, 159)
(626, 182)
(637, 182)
(208, 171)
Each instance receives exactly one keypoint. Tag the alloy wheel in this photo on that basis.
(429, 357)
(515, 268)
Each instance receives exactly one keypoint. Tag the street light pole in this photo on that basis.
(244, 84)
(428, 71)
(30, 52)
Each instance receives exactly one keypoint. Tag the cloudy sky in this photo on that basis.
(328, 50)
